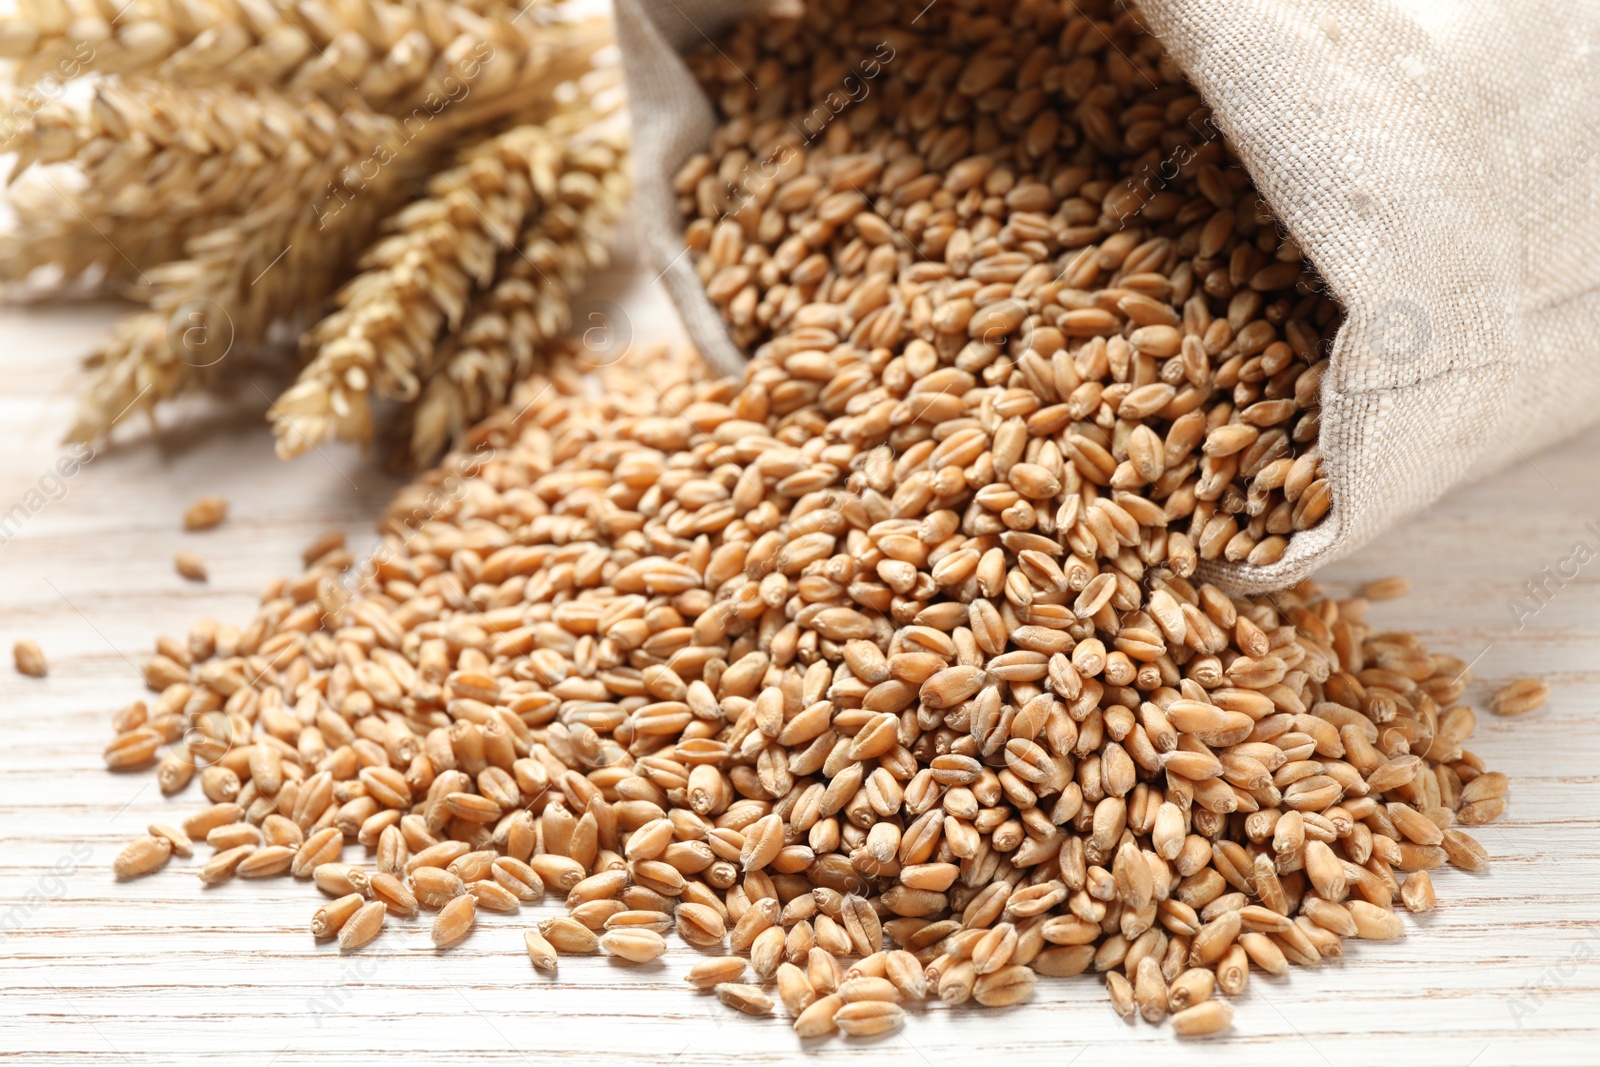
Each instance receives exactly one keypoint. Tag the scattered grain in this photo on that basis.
(1209, 1017)
(29, 658)
(1386, 588)
(190, 566)
(746, 998)
(142, 857)
(455, 920)
(205, 513)
(1520, 697)
(363, 926)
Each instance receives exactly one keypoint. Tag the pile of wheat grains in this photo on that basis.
(882, 676)
(644, 652)
(1060, 221)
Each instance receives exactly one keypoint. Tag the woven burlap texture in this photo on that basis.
(1439, 164)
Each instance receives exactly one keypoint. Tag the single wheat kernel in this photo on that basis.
(190, 566)
(393, 893)
(205, 513)
(329, 919)
(1150, 990)
(1417, 892)
(794, 989)
(635, 945)
(144, 856)
(319, 848)
(746, 998)
(710, 973)
(1005, 987)
(363, 926)
(135, 748)
(1121, 993)
(569, 936)
(29, 658)
(1386, 588)
(820, 1017)
(1233, 970)
(1190, 988)
(337, 879)
(864, 987)
(867, 1018)
(266, 862)
(1208, 1017)
(328, 542)
(494, 896)
(540, 952)
(454, 920)
(221, 867)
(1374, 923)
(203, 822)
(1520, 697)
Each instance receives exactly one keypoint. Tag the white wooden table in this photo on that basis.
(160, 970)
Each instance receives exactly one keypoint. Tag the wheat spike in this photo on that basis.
(510, 326)
(391, 55)
(51, 231)
(159, 165)
(260, 266)
(228, 176)
(417, 282)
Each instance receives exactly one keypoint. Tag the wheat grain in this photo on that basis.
(329, 919)
(1520, 697)
(29, 658)
(868, 1018)
(190, 566)
(224, 865)
(144, 856)
(205, 513)
(181, 845)
(540, 952)
(363, 926)
(1208, 1017)
(569, 936)
(633, 945)
(746, 998)
(135, 748)
(1386, 588)
(454, 920)
(710, 973)
(396, 897)
(1417, 892)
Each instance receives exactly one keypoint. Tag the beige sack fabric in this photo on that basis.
(1438, 161)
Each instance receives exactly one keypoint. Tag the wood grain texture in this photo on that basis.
(160, 970)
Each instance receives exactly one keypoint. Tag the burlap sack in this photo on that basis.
(1437, 164)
